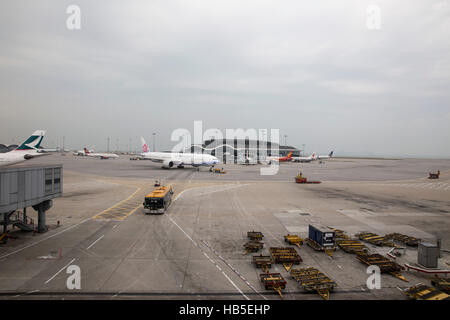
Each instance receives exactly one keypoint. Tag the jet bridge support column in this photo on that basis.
(41, 208)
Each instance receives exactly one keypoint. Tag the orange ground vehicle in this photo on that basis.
(158, 200)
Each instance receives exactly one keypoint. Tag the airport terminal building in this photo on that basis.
(238, 150)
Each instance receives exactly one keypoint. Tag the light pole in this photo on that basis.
(285, 139)
(303, 151)
(107, 144)
(154, 145)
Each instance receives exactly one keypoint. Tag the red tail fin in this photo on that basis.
(86, 151)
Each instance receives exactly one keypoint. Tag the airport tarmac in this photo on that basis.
(195, 250)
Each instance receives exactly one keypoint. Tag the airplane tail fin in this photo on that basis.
(290, 154)
(314, 156)
(144, 145)
(33, 142)
(86, 151)
(331, 154)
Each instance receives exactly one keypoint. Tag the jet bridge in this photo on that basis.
(30, 186)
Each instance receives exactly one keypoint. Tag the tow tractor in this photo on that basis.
(221, 171)
(434, 175)
(300, 178)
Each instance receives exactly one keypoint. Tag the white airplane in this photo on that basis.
(100, 155)
(82, 152)
(330, 155)
(310, 158)
(170, 159)
(29, 149)
(248, 160)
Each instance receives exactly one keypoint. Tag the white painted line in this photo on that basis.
(114, 226)
(29, 292)
(59, 271)
(237, 288)
(228, 278)
(53, 235)
(182, 231)
(94, 242)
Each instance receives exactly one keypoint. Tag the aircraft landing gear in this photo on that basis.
(180, 166)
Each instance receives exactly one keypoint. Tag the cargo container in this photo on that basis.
(324, 236)
(428, 255)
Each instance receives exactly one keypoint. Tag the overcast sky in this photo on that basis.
(312, 69)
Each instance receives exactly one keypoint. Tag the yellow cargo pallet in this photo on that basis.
(293, 239)
(351, 246)
(339, 234)
(385, 265)
(263, 262)
(255, 235)
(423, 292)
(328, 250)
(286, 256)
(273, 281)
(375, 239)
(410, 241)
(253, 246)
(442, 284)
(311, 279)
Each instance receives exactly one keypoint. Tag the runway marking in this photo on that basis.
(28, 292)
(212, 261)
(37, 242)
(95, 217)
(421, 185)
(94, 242)
(60, 271)
(122, 209)
(232, 268)
(221, 188)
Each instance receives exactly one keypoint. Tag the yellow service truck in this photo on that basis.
(157, 201)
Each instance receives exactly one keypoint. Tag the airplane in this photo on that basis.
(310, 158)
(29, 149)
(82, 152)
(330, 155)
(170, 159)
(248, 160)
(100, 155)
(280, 159)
